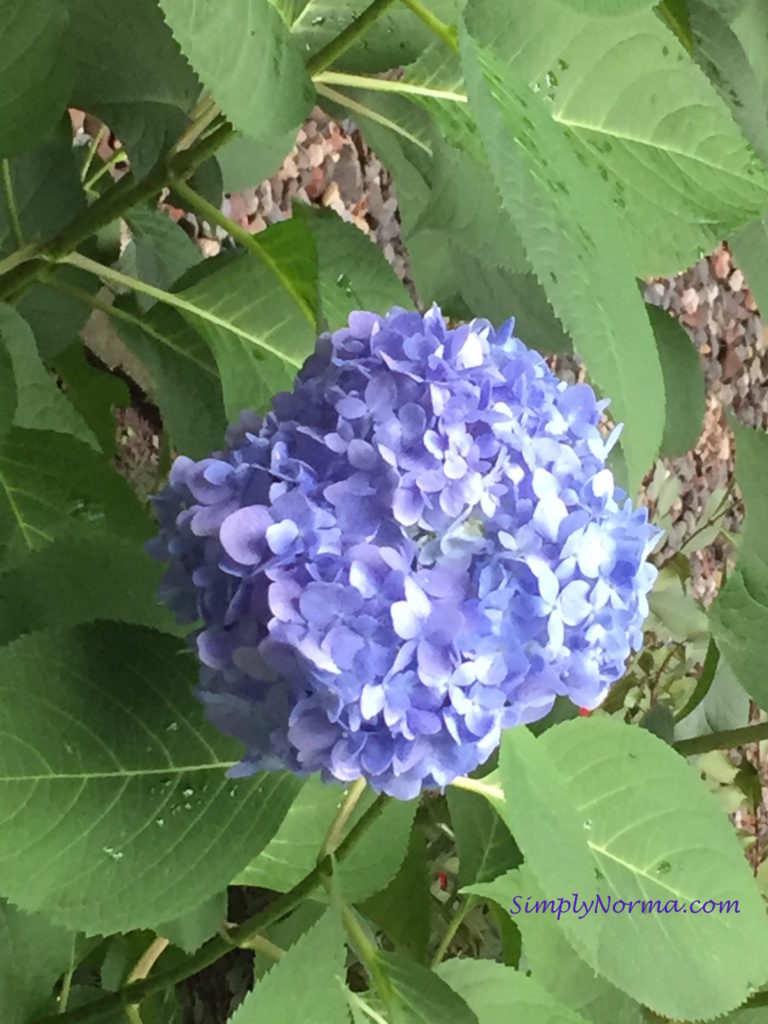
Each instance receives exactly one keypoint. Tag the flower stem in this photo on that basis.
(440, 28)
(218, 946)
(336, 830)
(723, 740)
(10, 202)
(336, 47)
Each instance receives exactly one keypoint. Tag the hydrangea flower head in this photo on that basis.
(417, 548)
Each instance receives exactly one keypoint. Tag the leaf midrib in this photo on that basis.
(128, 773)
(625, 137)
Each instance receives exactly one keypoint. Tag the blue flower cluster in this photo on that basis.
(418, 547)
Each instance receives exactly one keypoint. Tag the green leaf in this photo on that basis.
(720, 54)
(498, 994)
(684, 384)
(134, 78)
(571, 240)
(258, 314)
(353, 271)
(318, 959)
(421, 995)
(40, 404)
(676, 15)
(599, 8)
(247, 60)
(286, 933)
(754, 1015)
(160, 251)
(497, 295)
(752, 478)
(94, 393)
(292, 852)
(485, 847)
(191, 930)
(7, 391)
(246, 162)
(464, 203)
(739, 622)
(724, 706)
(637, 109)
(46, 190)
(750, 251)
(101, 724)
(85, 574)
(371, 865)
(403, 908)
(631, 815)
(184, 374)
(748, 19)
(33, 955)
(377, 857)
(57, 318)
(554, 966)
(675, 614)
(49, 481)
(34, 79)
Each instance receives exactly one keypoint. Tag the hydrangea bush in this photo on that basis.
(418, 548)
(360, 667)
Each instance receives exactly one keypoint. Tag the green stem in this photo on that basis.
(27, 252)
(386, 85)
(336, 47)
(261, 944)
(105, 273)
(440, 28)
(723, 740)
(478, 786)
(10, 202)
(92, 151)
(205, 113)
(99, 174)
(218, 946)
(339, 823)
(126, 194)
(248, 241)
(66, 983)
(368, 954)
(454, 924)
(373, 115)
